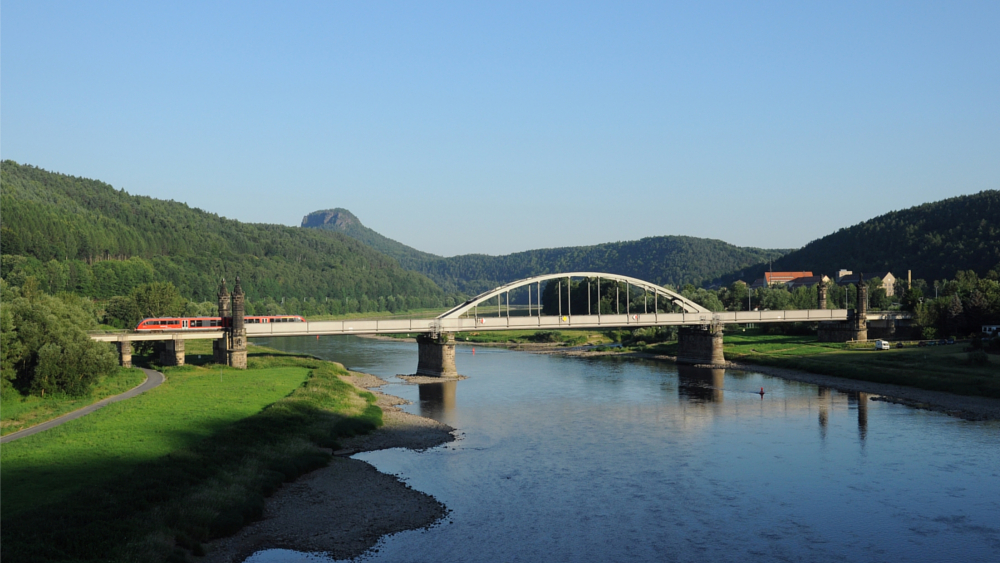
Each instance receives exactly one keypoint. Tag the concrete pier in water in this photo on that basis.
(436, 355)
(701, 344)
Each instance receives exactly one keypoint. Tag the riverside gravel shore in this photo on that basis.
(343, 509)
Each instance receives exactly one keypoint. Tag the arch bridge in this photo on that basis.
(701, 342)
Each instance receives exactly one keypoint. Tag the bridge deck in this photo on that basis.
(548, 322)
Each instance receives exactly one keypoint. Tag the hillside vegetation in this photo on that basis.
(668, 260)
(934, 240)
(84, 236)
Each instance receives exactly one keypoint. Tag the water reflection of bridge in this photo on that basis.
(700, 387)
(706, 386)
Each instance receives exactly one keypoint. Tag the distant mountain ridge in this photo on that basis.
(673, 260)
(933, 240)
(340, 220)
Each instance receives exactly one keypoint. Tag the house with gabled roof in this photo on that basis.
(888, 280)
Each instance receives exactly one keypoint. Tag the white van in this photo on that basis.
(882, 345)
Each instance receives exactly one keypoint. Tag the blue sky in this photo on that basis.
(464, 127)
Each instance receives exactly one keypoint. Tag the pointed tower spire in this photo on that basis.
(223, 299)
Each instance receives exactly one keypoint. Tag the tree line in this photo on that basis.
(933, 240)
(81, 235)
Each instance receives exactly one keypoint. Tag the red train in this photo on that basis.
(209, 323)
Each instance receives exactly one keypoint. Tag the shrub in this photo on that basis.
(978, 358)
(544, 336)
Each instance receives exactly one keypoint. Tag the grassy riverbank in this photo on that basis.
(151, 478)
(936, 368)
(19, 412)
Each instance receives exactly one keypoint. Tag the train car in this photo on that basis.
(208, 323)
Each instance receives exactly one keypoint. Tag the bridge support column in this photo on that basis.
(172, 353)
(700, 345)
(861, 317)
(220, 350)
(125, 353)
(436, 355)
(834, 331)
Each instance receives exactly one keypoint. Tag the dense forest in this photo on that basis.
(933, 240)
(83, 236)
(665, 260)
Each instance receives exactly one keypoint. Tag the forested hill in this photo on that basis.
(666, 260)
(85, 236)
(343, 221)
(934, 240)
(674, 260)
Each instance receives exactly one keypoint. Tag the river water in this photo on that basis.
(612, 459)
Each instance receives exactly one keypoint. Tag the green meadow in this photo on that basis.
(152, 477)
(19, 412)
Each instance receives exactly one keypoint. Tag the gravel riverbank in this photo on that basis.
(343, 509)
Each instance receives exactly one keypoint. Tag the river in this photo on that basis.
(614, 459)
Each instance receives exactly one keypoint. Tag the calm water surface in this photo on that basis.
(569, 459)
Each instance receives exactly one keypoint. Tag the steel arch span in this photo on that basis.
(671, 296)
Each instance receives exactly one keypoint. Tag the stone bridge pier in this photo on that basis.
(700, 345)
(171, 352)
(436, 355)
(125, 353)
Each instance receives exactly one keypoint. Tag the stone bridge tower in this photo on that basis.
(220, 347)
(861, 315)
(237, 331)
(855, 327)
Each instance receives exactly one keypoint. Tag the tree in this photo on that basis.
(911, 298)
(736, 296)
(46, 348)
(10, 347)
(158, 299)
(954, 319)
(122, 312)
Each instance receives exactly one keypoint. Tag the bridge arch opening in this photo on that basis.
(564, 296)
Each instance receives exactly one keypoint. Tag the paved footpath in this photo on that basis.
(153, 379)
